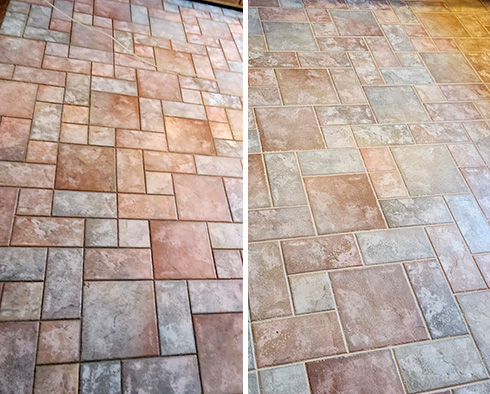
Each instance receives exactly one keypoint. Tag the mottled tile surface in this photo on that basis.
(369, 146)
(120, 180)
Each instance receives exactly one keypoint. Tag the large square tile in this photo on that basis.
(449, 67)
(89, 168)
(343, 203)
(428, 170)
(376, 307)
(114, 110)
(181, 250)
(285, 36)
(288, 129)
(119, 320)
(396, 104)
(189, 136)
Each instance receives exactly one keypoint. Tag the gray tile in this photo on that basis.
(46, 122)
(471, 222)
(176, 375)
(397, 38)
(119, 320)
(406, 76)
(284, 380)
(251, 355)
(388, 246)
(253, 384)
(432, 291)
(63, 289)
(284, 179)
(100, 377)
(455, 258)
(13, 24)
(39, 16)
(396, 104)
(428, 170)
(434, 365)
(415, 211)
(84, 204)
(480, 134)
(311, 292)
(100, 232)
(18, 342)
(215, 296)
(77, 89)
(326, 162)
(254, 25)
(480, 388)
(403, 12)
(475, 310)
(167, 29)
(22, 264)
(381, 135)
(174, 318)
(139, 14)
(134, 233)
(338, 137)
(285, 36)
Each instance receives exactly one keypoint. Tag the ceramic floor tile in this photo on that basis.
(374, 371)
(94, 146)
(343, 203)
(377, 308)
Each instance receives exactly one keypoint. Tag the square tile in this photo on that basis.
(343, 203)
(306, 87)
(356, 23)
(201, 197)
(428, 170)
(285, 36)
(158, 85)
(288, 129)
(21, 301)
(56, 378)
(103, 376)
(396, 104)
(100, 232)
(311, 293)
(119, 320)
(449, 67)
(376, 307)
(189, 136)
(59, 342)
(181, 250)
(114, 110)
(86, 168)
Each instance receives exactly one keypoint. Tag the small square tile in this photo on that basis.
(42, 152)
(311, 293)
(56, 378)
(134, 234)
(59, 342)
(159, 183)
(35, 202)
(100, 232)
(228, 263)
(100, 377)
(21, 301)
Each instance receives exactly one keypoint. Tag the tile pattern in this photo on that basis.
(369, 155)
(120, 197)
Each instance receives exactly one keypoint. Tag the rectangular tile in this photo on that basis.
(326, 162)
(284, 341)
(415, 211)
(471, 222)
(439, 364)
(390, 246)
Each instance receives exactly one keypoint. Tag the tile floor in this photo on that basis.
(120, 198)
(369, 196)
